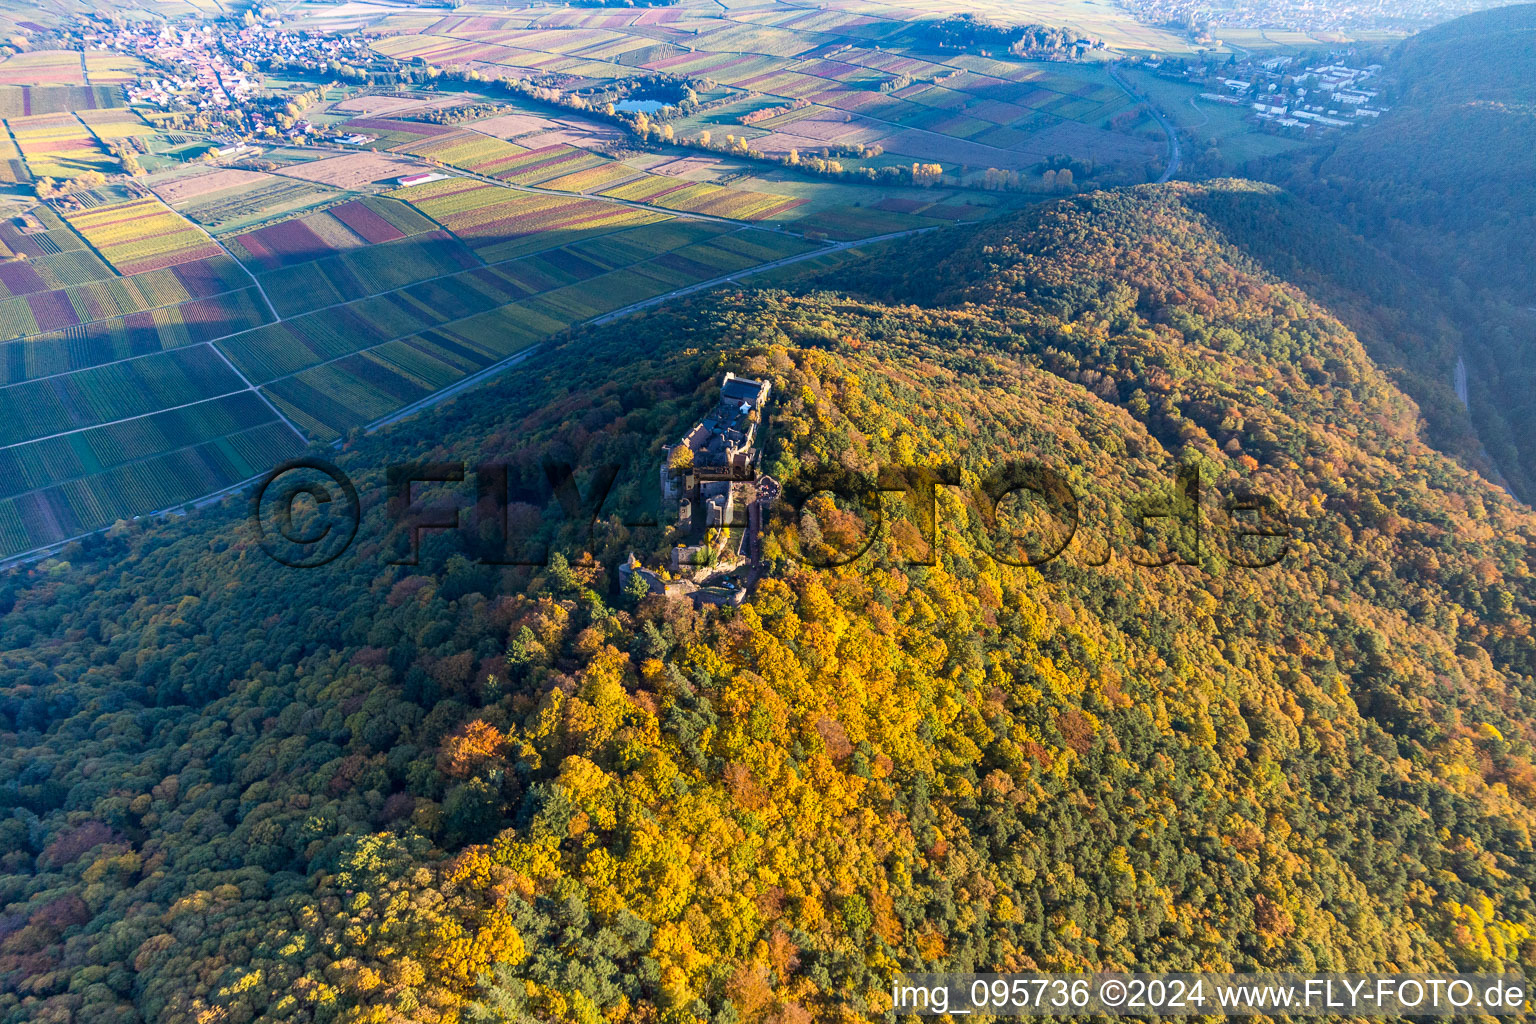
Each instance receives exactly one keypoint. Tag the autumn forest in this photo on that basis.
(461, 792)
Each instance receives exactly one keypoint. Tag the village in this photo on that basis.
(218, 70)
(1286, 92)
(713, 480)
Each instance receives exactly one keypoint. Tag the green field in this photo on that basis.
(343, 367)
(41, 408)
(1217, 126)
(105, 341)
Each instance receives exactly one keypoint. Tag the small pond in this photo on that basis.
(640, 106)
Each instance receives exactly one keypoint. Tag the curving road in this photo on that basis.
(1174, 153)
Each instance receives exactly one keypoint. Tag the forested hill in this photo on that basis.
(1457, 145)
(1441, 185)
(235, 791)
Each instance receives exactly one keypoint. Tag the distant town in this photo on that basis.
(1203, 20)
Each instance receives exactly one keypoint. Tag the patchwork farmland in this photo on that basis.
(142, 235)
(168, 336)
(789, 79)
(148, 362)
(58, 145)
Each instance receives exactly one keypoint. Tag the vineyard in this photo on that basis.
(105, 68)
(333, 397)
(58, 146)
(126, 337)
(723, 202)
(591, 179)
(143, 234)
(162, 481)
(285, 348)
(293, 241)
(501, 223)
(646, 189)
(470, 151)
(388, 133)
(376, 220)
(40, 408)
(137, 358)
(345, 366)
(784, 85)
(13, 169)
(548, 162)
(700, 197)
(37, 464)
(37, 233)
(45, 273)
(115, 123)
(39, 312)
(26, 100)
(366, 271)
(844, 222)
(244, 200)
(358, 223)
(43, 67)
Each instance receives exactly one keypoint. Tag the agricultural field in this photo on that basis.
(41, 311)
(141, 235)
(392, 133)
(106, 68)
(500, 223)
(58, 146)
(188, 184)
(288, 242)
(92, 479)
(547, 163)
(592, 179)
(46, 273)
(37, 232)
(51, 406)
(469, 151)
(13, 169)
(714, 201)
(365, 271)
(43, 67)
(844, 78)
(253, 201)
(352, 250)
(131, 335)
(26, 100)
(533, 127)
(113, 123)
(343, 366)
(353, 170)
(142, 367)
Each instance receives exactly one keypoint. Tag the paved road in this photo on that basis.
(1174, 153)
